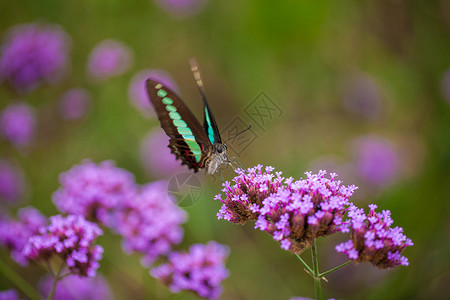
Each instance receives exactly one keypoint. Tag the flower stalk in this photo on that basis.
(56, 278)
(317, 277)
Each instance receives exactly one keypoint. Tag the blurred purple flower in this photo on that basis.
(293, 212)
(12, 183)
(362, 96)
(14, 234)
(32, 54)
(9, 295)
(201, 270)
(72, 239)
(156, 156)
(96, 191)
(445, 86)
(108, 59)
(137, 90)
(377, 162)
(373, 240)
(182, 8)
(74, 287)
(17, 124)
(74, 103)
(151, 223)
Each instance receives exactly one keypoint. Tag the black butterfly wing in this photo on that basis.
(210, 125)
(188, 140)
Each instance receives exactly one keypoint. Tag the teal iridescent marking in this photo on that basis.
(162, 93)
(184, 130)
(195, 149)
(174, 115)
(188, 137)
(210, 130)
(179, 123)
(167, 100)
(170, 108)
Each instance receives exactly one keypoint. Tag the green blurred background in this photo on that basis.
(302, 54)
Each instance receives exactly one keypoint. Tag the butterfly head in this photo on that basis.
(220, 148)
(218, 157)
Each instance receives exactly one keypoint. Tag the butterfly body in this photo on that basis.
(197, 146)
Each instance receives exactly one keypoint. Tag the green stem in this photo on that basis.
(308, 268)
(317, 278)
(335, 268)
(56, 278)
(15, 278)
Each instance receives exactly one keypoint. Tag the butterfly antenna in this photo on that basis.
(197, 77)
(238, 134)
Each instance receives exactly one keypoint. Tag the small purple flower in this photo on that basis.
(71, 238)
(32, 54)
(377, 161)
(14, 234)
(9, 295)
(151, 223)
(108, 59)
(362, 96)
(156, 156)
(95, 191)
(182, 8)
(75, 288)
(74, 104)
(293, 212)
(17, 124)
(137, 90)
(201, 270)
(374, 240)
(12, 183)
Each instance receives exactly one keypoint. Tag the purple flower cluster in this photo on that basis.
(108, 59)
(304, 210)
(17, 124)
(72, 239)
(32, 54)
(12, 183)
(74, 287)
(373, 240)
(293, 212)
(95, 191)
(201, 270)
(14, 234)
(137, 90)
(297, 212)
(74, 103)
(9, 295)
(246, 196)
(151, 223)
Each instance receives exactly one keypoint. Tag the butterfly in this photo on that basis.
(198, 147)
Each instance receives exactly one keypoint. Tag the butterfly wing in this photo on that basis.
(188, 140)
(210, 125)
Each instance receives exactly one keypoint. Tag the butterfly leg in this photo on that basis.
(232, 170)
(219, 173)
(234, 160)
